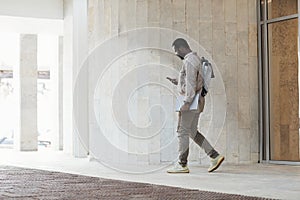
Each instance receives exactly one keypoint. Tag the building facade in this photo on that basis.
(116, 106)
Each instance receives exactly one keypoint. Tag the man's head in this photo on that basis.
(181, 47)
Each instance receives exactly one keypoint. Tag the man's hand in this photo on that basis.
(173, 80)
(185, 106)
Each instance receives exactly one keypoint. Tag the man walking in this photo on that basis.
(189, 83)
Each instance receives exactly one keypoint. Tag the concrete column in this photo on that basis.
(76, 136)
(56, 95)
(68, 77)
(25, 76)
(80, 50)
(60, 92)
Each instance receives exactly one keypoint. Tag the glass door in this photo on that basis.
(279, 66)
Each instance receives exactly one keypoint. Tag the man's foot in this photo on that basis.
(215, 163)
(177, 168)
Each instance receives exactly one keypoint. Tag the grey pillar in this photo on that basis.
(60, 92)
(76, 135)
(25, 77)
(57, 98)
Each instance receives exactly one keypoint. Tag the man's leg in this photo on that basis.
(216, 159)
(185, 128)
(185, 120)
(200, 139)
(205, 145)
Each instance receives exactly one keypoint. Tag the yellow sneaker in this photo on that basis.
(177, 168)
(215, 163)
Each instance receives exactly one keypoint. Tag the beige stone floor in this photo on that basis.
(262, 180)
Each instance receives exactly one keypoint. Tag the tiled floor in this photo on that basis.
(262, 180)
(28, 184)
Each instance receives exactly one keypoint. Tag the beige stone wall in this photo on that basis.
(226, 33)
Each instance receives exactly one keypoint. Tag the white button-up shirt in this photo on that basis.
(190, 78)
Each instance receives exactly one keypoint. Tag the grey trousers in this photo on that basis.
(187, 128)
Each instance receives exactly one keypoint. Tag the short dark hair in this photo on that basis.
(180, 42)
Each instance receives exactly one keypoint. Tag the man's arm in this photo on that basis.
(191, 81)
(191, 84)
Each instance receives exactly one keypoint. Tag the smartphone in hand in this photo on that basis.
(173, 80)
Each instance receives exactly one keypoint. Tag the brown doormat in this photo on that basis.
(21, 183)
